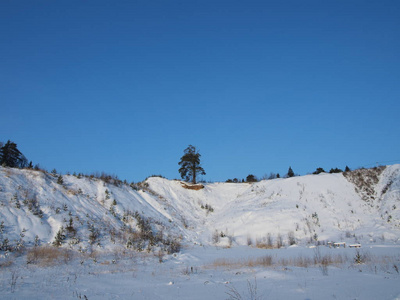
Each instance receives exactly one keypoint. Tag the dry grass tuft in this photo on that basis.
(6, 263)
(264, 261)
(319, 260)
(47, 255)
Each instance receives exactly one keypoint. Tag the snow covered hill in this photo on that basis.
(362, 205)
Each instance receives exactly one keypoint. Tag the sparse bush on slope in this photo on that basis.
(364, 181)
(78, 229)
(143, 219)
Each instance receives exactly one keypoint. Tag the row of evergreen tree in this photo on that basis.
(290, 173)
(332, 170)
(10, 156)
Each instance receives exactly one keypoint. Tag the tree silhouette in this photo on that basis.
(190, 164)
(251, 178)
(10, 156)
(319, 170)
(290, 172)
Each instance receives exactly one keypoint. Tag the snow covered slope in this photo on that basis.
(312, 207)
(361, 206)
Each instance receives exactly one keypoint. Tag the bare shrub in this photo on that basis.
(267, 243)
(291, 238)
(396, 268)
(107, 178)
(231, 239)
(215, 237)
(94, 233)
(160, 256)
(260, 243)
(387, 186)
(46, 255)
(6, 262)
(222, 262)
(249, 241)
(187, 271)
(173, 245)
(317, 255)
(361, 258)
(364, 181)
(252, 292)
(184, 222)
(279, 241)
(302, 262)
(319, 260)
(13, 281)
(324, 266)
(93, 254)
(323, 261)
(270, 242)
(265, 261)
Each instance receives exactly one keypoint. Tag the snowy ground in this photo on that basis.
(211, 273)
(223, 230)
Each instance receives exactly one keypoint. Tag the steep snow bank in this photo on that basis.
(307, 208)
(312, 207)
(32, 204)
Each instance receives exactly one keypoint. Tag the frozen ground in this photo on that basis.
(212, 273)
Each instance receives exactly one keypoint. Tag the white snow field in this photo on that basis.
(158, 240)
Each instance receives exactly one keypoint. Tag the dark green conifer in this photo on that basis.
(11, 157)
(290, 172)
(60, 179)
(190, 164)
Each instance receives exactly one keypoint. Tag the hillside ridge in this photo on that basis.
(359, 206)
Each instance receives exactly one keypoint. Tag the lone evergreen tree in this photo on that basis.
(290, 172)
(10, 156)
(251, 178)
(190, 164)
(60, 179)
(60, 237)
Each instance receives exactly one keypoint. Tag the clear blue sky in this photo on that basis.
(258, 86)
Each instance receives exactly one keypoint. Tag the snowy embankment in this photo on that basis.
(358, 207)
(121, 241)
(308, 208)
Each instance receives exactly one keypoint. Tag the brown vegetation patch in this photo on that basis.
(191, 186)
(48, 255)
(364, 181)
(268, 261)
(265, 261)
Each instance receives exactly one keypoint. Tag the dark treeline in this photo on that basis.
(11, 156)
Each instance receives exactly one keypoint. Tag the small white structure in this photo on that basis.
(339, 244)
